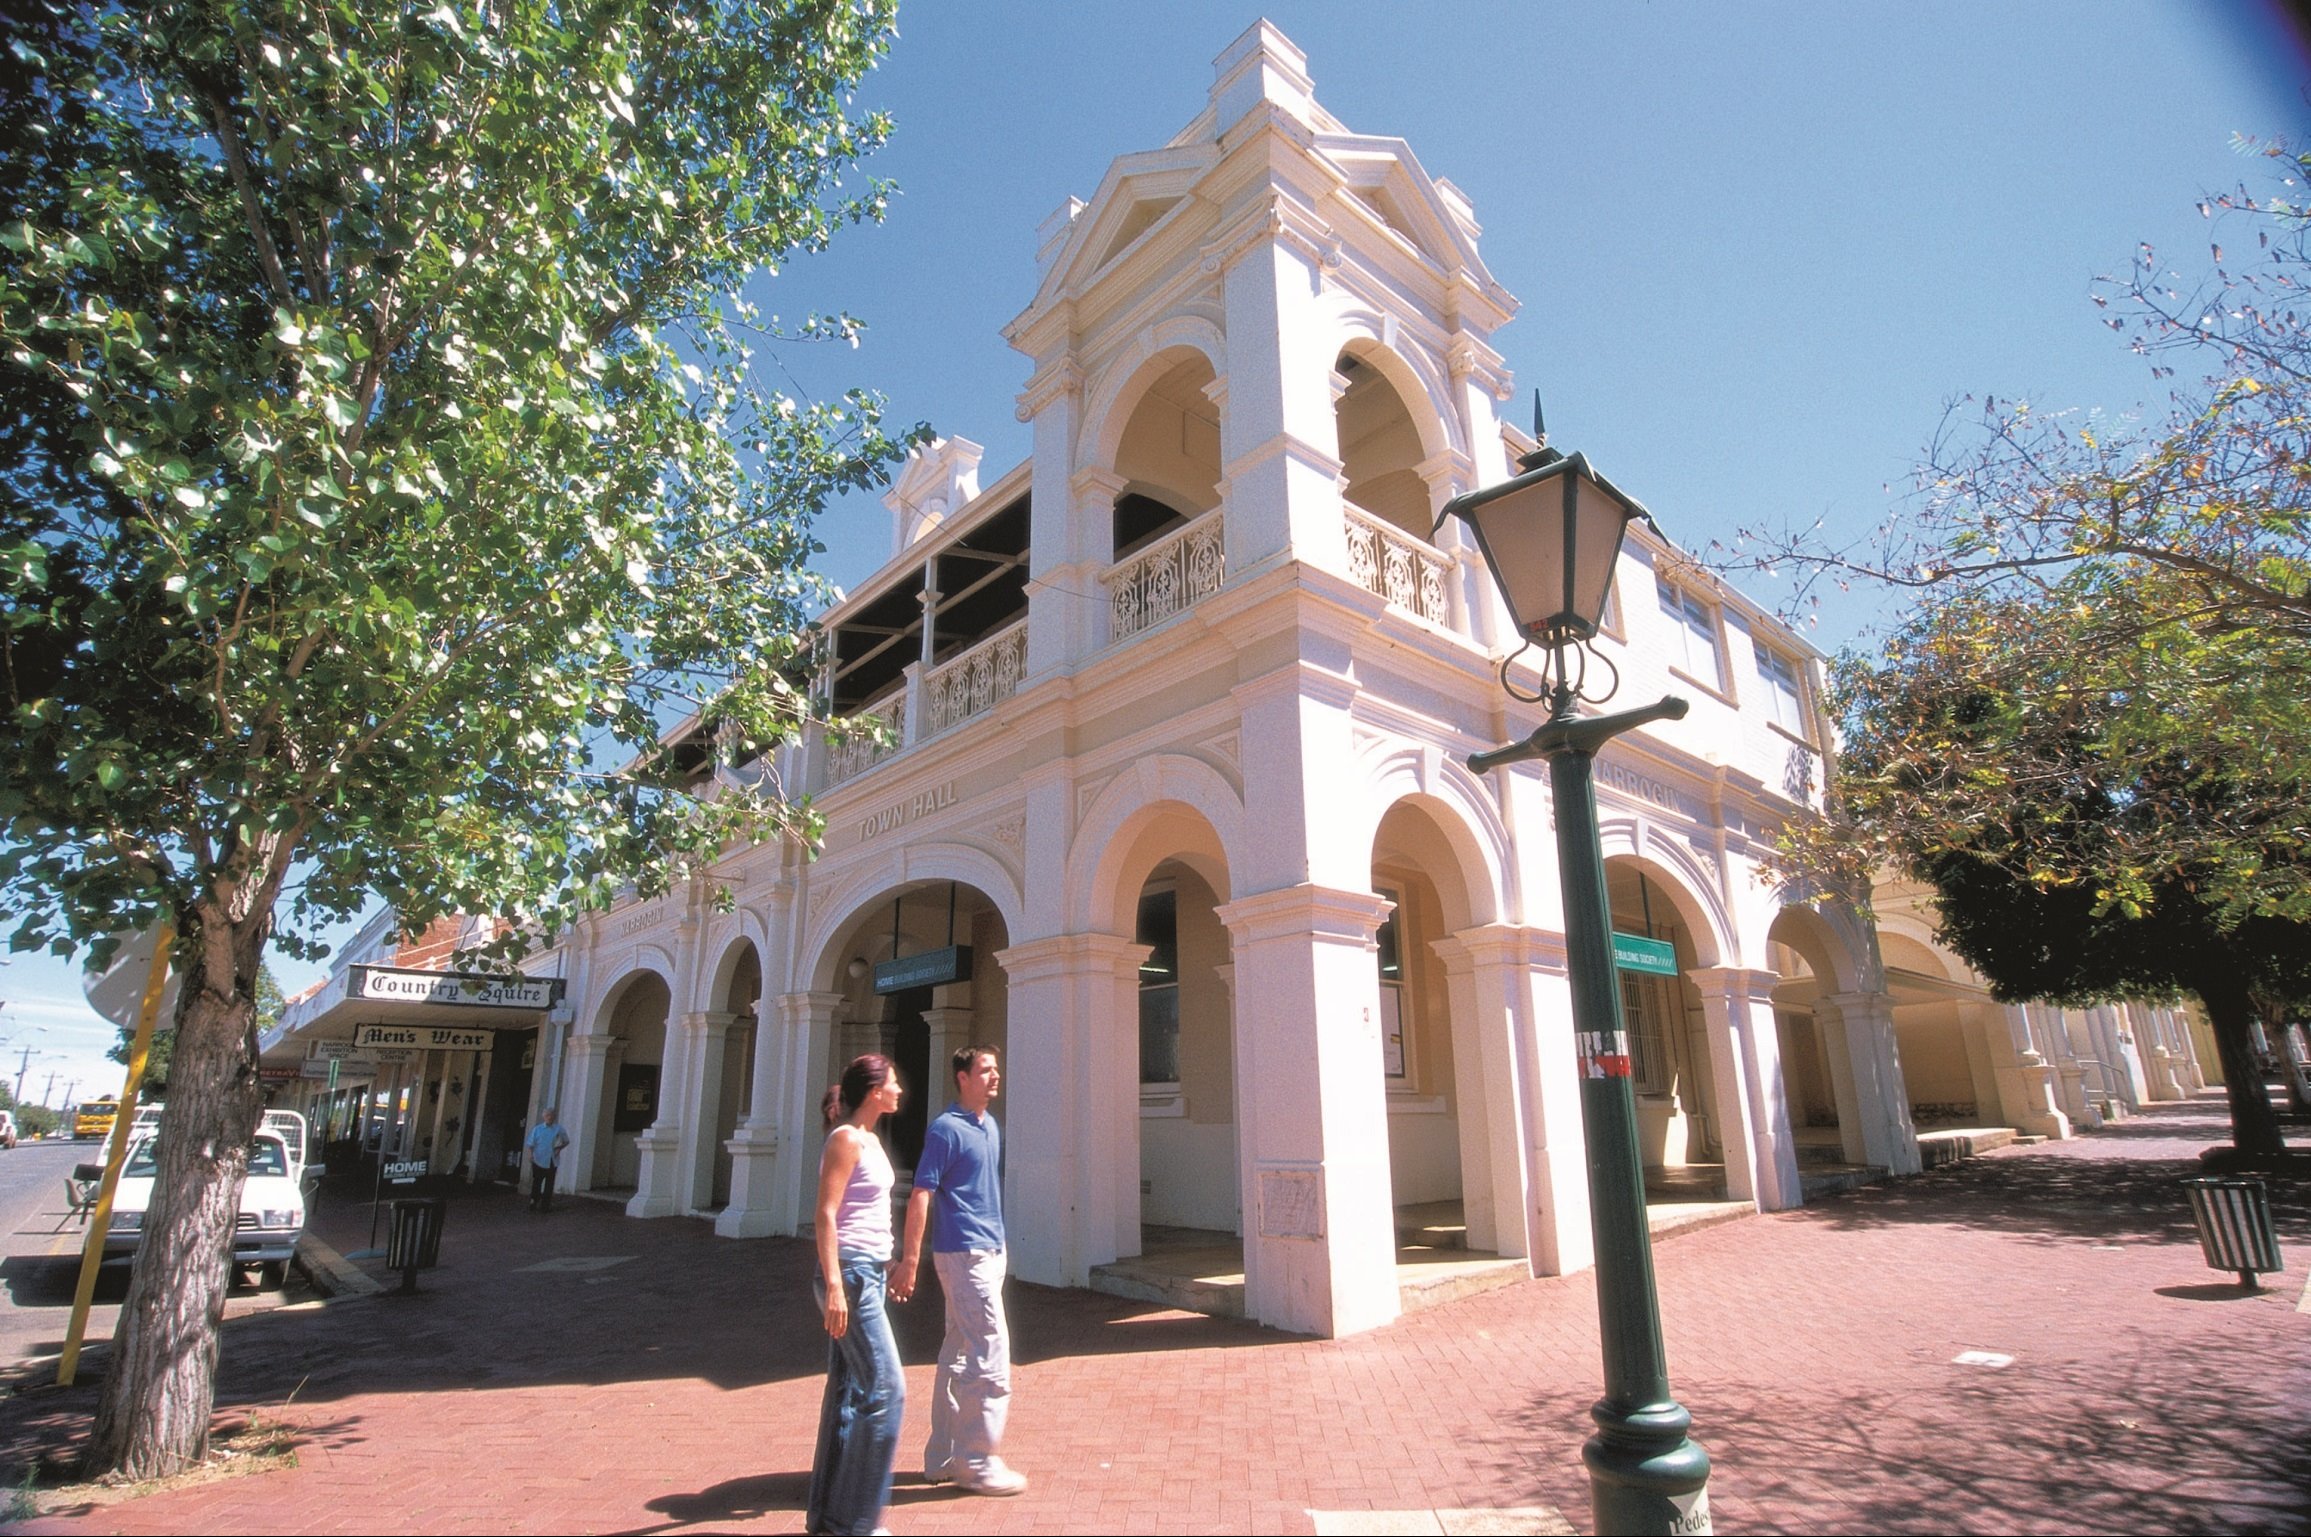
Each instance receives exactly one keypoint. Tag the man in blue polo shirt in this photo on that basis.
(959, 1195)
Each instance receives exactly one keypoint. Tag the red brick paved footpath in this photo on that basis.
(676, 1390)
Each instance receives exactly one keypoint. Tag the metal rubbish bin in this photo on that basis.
(2234, 1218)
(414, 1241)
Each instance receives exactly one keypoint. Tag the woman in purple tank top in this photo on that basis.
(858, 1429)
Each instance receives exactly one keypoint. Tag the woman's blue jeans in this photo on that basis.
(866, 1395)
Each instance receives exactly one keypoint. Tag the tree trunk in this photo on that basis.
(2231, 1014)
(153, 1419)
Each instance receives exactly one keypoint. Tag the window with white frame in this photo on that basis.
(1693, 647)
(1784, 683)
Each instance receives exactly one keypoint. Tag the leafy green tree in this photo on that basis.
(388, 462)
(2175, 552)
(1977, 760)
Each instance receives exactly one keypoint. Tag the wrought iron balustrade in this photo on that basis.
(977, 681)
(1176, 572)
(1410, 573)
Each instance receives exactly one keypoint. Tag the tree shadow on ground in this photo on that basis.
(2056, 1199)
(2164, 1436)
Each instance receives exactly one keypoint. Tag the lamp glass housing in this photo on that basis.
(1551, 537)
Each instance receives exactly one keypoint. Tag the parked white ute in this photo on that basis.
(272, 1214)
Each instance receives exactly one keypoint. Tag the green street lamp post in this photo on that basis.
(1551, 537)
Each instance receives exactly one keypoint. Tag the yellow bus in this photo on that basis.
(94, 1118)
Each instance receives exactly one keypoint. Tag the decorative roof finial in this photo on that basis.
(1542, 455)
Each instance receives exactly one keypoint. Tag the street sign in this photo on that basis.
(1634, 952)
(424, 1037)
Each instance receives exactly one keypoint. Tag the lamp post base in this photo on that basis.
(1645, 1474)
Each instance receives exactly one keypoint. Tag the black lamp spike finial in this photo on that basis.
(1540, 428)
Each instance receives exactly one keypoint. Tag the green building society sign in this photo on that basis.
(1634, 952)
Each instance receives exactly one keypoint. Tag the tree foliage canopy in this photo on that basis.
(2124, 607)
(389, 451)
(382, 462)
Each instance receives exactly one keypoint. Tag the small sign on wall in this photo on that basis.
(637, 1105)
(932, 967)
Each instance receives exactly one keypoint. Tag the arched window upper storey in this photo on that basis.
(1169, 457)
(1380, 448)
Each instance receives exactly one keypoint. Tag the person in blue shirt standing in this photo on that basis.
(545, 1142)
(959, 1196)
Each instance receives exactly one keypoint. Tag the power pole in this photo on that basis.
(23, 1065)
(44, 1093)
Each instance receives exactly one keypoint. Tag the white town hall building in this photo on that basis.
(1175, 812)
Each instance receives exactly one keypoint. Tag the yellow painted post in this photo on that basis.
(100, 1217)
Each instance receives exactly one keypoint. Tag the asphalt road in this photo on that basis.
(40, 1265)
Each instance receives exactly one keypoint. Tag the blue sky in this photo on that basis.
(1758, 246)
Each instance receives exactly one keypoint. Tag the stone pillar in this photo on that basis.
(2162, 1063)
(2025, 1080)
(2053, 1032)
(586, 1080)
(950, 1030)
(706, 1057)
(1859, 1029)
(1320, 1234)
(1752, 1107)
(1066, 618)
(1071, 1085)
(774, 1151)
(1485, 981)
(659, 1186)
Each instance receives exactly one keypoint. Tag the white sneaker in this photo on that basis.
(992, 1477)
(944, 1473)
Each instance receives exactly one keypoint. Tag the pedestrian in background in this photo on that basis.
(546, 1141)
(959, 1195)
(866, 1395)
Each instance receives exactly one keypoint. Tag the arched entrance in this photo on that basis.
(632, 1067)
(1453, 1163)
(1679, 1136)
(917, 980)
(1797, 948)
(731, 1099)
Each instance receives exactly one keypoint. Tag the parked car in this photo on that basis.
(271, 1220)
(7, 1128)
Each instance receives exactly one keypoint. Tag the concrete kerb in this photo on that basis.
(331, 1273)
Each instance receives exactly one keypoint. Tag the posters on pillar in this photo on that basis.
(1604, 1053)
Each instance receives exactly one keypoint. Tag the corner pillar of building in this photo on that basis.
(1319, 1226)
(1862, 1027)
(1753, 1111)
